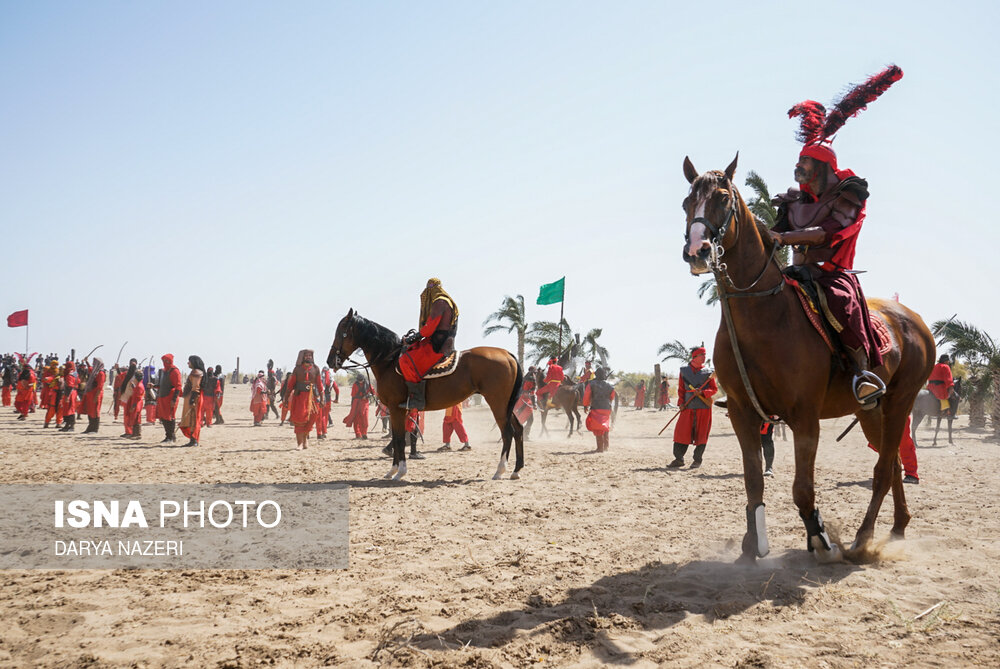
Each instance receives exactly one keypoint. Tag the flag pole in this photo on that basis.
(26, 338)
(561, 305)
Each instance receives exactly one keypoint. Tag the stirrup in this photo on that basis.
(873, 379)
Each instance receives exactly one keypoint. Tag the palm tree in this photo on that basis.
(508, 318)
(542, 338)
(594, 350)
(762, 209)
(674, 350)
(982, 355)
(708, 291)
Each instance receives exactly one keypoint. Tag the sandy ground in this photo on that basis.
(588, 559)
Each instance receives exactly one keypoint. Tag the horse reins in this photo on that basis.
(723, 284)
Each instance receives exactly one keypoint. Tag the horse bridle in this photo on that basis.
(341, 363)
(724, 285)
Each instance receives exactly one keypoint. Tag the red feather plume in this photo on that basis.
(859, 97)
(813, 116)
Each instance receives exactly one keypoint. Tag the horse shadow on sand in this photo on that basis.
(655, 596)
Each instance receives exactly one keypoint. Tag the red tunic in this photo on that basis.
(907, 450)
(92, 399)
(166, 405)
(303, 388)
(640, 396)
(553, 377)
(941, 382)
(694, 425)
(357, 417)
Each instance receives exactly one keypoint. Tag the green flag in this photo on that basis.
(551, 293)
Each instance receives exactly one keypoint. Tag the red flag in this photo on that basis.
(18, 319)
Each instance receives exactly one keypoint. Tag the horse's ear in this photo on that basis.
(731, 170)
(689, 171)
(350, 313)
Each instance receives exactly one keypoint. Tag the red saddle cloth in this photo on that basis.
(812, 312)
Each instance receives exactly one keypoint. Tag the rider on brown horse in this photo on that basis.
(822, 221)
(434, 340)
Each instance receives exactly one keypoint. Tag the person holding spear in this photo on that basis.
(696, 386)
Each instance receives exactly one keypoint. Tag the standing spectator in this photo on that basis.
(191, 409)
(695, 388)
(598, 397)
(453, 423)
(168, 393)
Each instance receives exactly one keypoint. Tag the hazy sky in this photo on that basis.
(228, 178)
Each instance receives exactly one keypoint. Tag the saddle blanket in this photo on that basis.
(445, 366)
(812, 312)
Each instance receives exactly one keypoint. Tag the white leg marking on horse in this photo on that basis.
(762, 546)
(392, 472)
(501, 468)
(401, 473)
(824, 556)
(515, 476)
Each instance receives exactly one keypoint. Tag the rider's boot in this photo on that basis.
(867, 386)
(415, 400)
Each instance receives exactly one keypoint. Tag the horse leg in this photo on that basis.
(888, 471)
(509, 427)
(518, 448)
(398, 420)
(914, 423)
(936, 428)
(950, 419)
(746, 425)
(806, 437)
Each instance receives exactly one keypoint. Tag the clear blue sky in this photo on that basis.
(228, 178)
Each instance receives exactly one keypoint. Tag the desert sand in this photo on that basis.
(589, 559)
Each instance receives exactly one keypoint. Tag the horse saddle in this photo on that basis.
(444, 366)
(823, 321)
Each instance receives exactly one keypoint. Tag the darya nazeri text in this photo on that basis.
(161, 548)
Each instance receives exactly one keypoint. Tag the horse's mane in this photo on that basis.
(385, 343)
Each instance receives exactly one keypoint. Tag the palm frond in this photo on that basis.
(708, 291)
(674, 350)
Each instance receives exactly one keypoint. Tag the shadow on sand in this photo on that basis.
(655, 596)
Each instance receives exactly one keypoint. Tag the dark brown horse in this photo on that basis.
(492, 372)
(771, 361)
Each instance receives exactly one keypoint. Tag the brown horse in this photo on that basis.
(771, 362)
(492, 372)
(566, 397)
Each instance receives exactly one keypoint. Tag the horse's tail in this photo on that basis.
(515, 391)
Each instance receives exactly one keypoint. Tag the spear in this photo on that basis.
(696, 393)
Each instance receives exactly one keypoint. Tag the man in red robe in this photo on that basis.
(434, 340)
(640, 395)
(93, 395)
(50, 381)
(167, 396)
(452, 423)
(664, 397)
(554, 376)
(210, 386)
(357, 417)
(303, 396)
(68, 398)
(220, 394)
(587, 374)
(597, 400)
(941, 381)
(9, 379)
(258, 399)
(133, 398)
(695, 388)
(25, 396)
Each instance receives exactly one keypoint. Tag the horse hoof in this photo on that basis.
(515, 476)
(896, 536)
(392, 472)
(824, 556)
(746, 559)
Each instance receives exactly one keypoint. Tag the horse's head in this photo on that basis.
(343, 342)
(710, 208)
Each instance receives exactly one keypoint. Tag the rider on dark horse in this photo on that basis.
(822, 220)
(434, 341)
(941, 382)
